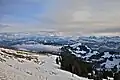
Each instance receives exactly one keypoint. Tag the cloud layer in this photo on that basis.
(79, 17)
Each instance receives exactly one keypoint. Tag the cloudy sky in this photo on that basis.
(73, 17)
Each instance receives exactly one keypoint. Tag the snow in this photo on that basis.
(90, 54)
(13, 69)
(106, 55)
(75, 45)
(82, 52)
(77, 55)
(60, 74)
(110, 64)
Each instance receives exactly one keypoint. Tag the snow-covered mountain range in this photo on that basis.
(34, 42)
(102, 60)
(22, 40)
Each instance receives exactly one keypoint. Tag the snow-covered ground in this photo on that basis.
(38, 67)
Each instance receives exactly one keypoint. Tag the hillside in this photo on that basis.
(101, 60)
(20, 65)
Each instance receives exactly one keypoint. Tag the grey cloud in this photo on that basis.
(2, 26)
(109, 30)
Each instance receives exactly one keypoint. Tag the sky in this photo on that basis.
(71, 17)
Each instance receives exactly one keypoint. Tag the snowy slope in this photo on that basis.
(14, 65)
